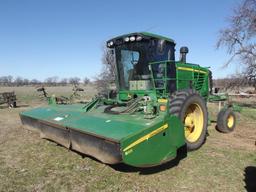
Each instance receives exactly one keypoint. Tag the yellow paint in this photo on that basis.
(128, 152)
(162, 100)
(191, 69)
(146, 137)
(231, 121)
(129, 96)
(194, 122)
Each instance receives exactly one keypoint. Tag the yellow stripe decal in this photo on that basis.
(146, 137)
(191, 69)
(162, 100)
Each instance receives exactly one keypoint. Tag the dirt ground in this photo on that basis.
(226, 162)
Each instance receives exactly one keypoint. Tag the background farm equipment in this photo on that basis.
(61, 99)
(8, 98)
(160, 107)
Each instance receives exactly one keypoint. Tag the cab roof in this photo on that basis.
(145, 35)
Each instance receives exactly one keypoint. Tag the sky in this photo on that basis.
(64, 38)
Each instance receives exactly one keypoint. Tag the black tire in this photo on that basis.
(226, 121)
(210, 82)
(180, 104)
(112, 94)
(12, 104)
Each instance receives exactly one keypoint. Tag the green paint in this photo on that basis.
(144, 117)
(124, 129)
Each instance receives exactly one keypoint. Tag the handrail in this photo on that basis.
(163, 87)
(157, 62)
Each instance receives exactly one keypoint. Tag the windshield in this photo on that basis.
(132, 64)
(132, 60)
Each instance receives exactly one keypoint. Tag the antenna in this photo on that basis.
(150, 28)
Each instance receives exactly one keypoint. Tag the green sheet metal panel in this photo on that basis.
(192, 76)
(155, 144)
(156, 148)
(96, 122)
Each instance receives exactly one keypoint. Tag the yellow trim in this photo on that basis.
(128, 152)
(129, 96)
(162, 100)
(191, 69)
(146, 137)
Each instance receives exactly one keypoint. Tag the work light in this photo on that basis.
(126, 39)
(138, 38)
(132, 38)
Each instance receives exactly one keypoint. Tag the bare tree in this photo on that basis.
(108, 63)
(86, 81)
(26, 81)
(239, 39)
(18, 81)
(64, 81)
(3, 80)
(35, 82)
(9, 80)
(107, 75)
(51, 81)
(74, 80)
(6, 80)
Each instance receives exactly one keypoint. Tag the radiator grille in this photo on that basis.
(199, 80)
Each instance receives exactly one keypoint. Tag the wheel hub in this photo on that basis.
(230, 121)
(193, 122)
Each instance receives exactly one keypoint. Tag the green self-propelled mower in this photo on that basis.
(160, 107)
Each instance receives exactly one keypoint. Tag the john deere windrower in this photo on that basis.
(160, 107)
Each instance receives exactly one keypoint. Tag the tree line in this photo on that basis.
(234, 82)
(50, 81)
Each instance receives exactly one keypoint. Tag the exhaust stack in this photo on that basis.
(183, 53)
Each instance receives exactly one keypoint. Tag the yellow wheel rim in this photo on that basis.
(194, 122)
(230, 121)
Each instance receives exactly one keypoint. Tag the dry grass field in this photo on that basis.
(226, 162)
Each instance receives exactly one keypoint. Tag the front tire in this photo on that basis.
(191, 109)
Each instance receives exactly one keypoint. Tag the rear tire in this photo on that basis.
(191, 109)
(226, 121)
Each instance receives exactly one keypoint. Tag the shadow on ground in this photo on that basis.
(181, 154)
(21, 106)
(250, 178)
(121, 167)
